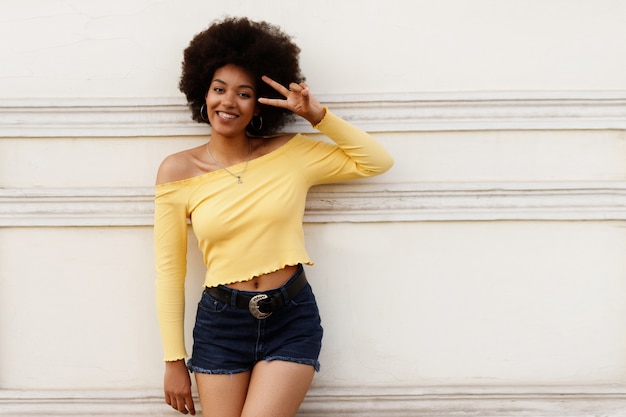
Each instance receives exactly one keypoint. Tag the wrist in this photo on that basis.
(318, 117)
(175, 364)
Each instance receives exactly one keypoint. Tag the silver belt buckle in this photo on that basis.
(253, 306)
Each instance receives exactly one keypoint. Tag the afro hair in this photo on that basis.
(260, 48)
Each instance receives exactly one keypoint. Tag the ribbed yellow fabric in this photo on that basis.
(245, 230)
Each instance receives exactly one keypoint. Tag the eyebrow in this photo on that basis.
(241, 86)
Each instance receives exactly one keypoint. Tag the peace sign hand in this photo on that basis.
(298, 99)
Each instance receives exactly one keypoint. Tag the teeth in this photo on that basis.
(227, 115)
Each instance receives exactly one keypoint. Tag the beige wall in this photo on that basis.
(485, 272)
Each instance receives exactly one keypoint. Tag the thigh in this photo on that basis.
(277, 389)
(222, 395)
(224, 338)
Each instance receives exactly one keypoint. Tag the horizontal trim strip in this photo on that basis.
(139, 117)
(368, 402)
(365, 202)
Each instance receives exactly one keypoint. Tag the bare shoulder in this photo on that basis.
(179, 166)
(264, 146)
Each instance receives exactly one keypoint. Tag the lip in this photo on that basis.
(226, 115)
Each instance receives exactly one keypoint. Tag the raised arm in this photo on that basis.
(368, 156)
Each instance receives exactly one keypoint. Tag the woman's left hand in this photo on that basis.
(298, 99)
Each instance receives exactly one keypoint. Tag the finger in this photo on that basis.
(296, 88)
(304, 93)
(275, 102)
(174, 404)
(181, 408)
(275, 85)
(191, 406)
(181, 404)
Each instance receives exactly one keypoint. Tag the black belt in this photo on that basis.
(260, 305)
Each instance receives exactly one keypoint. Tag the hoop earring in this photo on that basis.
(260, 124)
(202, 111)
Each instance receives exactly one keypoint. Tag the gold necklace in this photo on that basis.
(238, 176)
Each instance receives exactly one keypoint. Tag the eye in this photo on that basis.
(218, 89)
(245, 95)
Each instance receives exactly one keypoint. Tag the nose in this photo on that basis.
(228, 99)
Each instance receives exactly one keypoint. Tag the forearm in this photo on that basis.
(170, 246)
(370, 156)
(170, 301)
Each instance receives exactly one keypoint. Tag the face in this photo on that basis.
(231, 100)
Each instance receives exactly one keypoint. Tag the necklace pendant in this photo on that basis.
(208, 151)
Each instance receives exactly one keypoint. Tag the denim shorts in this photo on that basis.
(229, 340)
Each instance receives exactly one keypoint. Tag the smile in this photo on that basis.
(229, 116)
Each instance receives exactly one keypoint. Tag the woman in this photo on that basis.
(257, 335)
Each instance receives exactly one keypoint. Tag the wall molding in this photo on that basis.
(147, 117)
(554, 401)
(352, 202)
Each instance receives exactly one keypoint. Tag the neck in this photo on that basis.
(230, 151)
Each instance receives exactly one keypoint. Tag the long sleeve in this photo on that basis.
(170, 249)
(357, 154)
